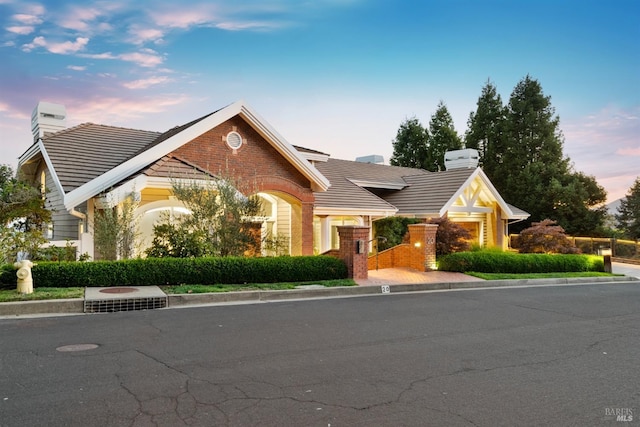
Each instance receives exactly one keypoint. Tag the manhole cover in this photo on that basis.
(77, 347)
(118, 290)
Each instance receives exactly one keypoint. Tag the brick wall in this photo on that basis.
(259, 167)
(419, 253)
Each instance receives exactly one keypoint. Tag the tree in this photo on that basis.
(545, 237)
(628, 217)
(220, 222)
(485, 130)
(443, 138)
(410, 145)
(22, 216)
(450, 237)
(533, 172)
(115, 230)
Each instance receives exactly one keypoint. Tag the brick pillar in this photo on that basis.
(422, 238)
(307, 228)
(357, 265)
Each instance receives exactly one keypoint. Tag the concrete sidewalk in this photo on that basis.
(379, 282)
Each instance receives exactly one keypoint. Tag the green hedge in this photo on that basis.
(175, 271)
(507, 262)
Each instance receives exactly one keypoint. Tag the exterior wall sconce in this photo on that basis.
(417, 244)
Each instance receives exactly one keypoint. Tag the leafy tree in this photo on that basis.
(219, 223)
(443, 138)
(410, 145)
(390, 231)
(545, 237)
(450, 237)
(22, 216)
(628, 217)
(115, 230)
(485, 129)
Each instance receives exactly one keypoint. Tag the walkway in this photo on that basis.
(402, 276)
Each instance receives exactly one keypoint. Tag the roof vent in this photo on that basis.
(461, 159)
(47, 118)
(374, 158)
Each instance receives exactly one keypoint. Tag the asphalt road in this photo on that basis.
(557, 356)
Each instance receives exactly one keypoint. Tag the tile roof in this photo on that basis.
(344, 194)
(86, 151)
(428, 193)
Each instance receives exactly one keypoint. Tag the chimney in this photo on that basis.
(373, 158)
(461, 159)
(47, 118)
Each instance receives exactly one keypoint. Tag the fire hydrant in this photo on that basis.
(25, 279)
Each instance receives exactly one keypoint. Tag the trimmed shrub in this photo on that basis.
(176, 271)
(8, 278)
(506, 262)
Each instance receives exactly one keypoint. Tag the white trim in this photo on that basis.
(355, 212)
(478, 173)
(125, 169)
(315, 157)
(379, 184)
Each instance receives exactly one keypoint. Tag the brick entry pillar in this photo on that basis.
(423, 239)
(352, 253)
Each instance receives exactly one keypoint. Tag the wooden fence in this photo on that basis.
(620, 249)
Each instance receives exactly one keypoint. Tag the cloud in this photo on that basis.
(184, 18)
(147, 58)
(27, 19)
(62, 48)
(118, 110)
(76, 67)
(605, 144)
(21, 29)
(629, 152)
(144, 35)
(145, 83)
(79, 19)
(240, 26)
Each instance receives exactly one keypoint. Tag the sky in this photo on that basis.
(337, 76)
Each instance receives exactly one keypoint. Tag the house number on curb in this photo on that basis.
(385, 289)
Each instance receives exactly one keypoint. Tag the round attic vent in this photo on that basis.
(234, 140)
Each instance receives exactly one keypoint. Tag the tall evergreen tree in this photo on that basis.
(535, 175)
(443, 138)
(628, 216)
(410, 144)
(485, 130)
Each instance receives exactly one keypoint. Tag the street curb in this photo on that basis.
(74, 306)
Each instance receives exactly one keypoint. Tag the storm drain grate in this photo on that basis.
(124, 304)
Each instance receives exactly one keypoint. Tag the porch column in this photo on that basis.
(325, 234)
(354, 250)
(422, 238)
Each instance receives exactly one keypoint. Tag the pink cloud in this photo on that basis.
(605, 144)
(184, 18)
(117, 110)
(21, 29)
(145, 83)
(27, 19)
(62, 48)
(148, 58)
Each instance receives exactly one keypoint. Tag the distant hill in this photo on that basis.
(612, 208)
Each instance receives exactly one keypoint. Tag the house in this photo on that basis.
(306, 194)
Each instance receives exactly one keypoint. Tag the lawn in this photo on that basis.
(11, 295)
(507, 276)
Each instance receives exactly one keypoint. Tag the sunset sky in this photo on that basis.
(338, 76)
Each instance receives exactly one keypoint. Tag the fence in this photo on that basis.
(621, 249)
